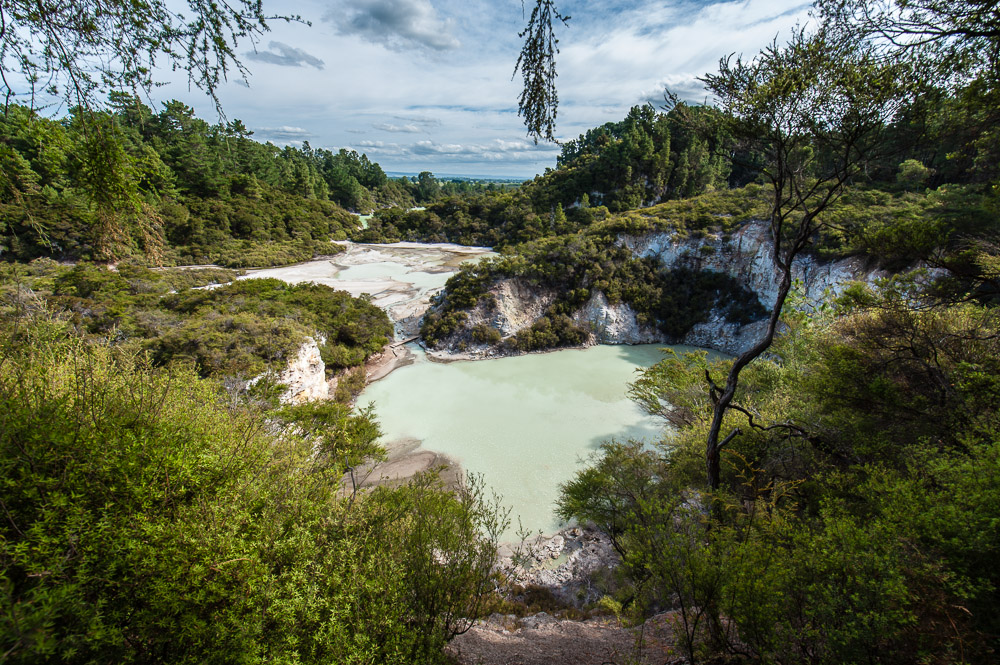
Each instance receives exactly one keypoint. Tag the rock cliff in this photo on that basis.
(744, 255)
(613, 323)
(511, 305)
(305, 376)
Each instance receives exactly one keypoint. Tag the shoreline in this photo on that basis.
(393, 356)
(405, 459)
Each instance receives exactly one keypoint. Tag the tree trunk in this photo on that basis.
(713, 446)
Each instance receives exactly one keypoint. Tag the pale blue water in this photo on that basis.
(526, 423)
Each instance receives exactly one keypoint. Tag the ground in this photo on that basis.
(545, 640)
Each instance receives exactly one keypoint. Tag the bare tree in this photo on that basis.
(950, 25)
(816, 110)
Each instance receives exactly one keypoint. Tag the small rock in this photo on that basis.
(539, 620)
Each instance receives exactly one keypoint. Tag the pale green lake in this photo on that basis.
(525, 423)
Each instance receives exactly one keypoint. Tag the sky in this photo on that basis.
(426, 85)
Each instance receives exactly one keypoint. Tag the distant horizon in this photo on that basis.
(463, 176)
(427, 84)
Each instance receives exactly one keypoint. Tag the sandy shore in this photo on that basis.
(405, 460)
(392, 357)
(405, 457)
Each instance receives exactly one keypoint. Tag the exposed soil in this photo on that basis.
(406, 459)
(542, 639)
(392, 357)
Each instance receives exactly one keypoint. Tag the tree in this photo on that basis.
(958, 29)
(817, 110)
(539, 101)
(151, 518)
(954, 44)
(76, 50)
(428, 187)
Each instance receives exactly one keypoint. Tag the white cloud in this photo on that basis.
(667, 43)
(389, 127)
(283, 135)
(493, 151)
(462, 101)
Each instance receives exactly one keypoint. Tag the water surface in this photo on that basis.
(525, 423)
(400, 277)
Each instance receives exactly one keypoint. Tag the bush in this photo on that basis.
(853, 520)
(149, 519)
(241, 329)
(486, 334)
(549, 332)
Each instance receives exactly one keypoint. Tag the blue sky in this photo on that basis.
(426, 84)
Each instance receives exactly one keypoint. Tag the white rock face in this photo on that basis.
(745, 256)
(305, 375)
(614, 324)
(518, 305)
(585, 555)
(722, 335)
(514, 306)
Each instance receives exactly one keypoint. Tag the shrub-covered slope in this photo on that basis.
(239, 330)
(151, 518)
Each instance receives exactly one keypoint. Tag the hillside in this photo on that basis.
(185, 476)
(694, 271)
(178, 190)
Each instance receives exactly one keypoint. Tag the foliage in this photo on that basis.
(253, 253)
(76, 50)
(549, 332)
(193, 192)
(851, 521)
(539, 101)
(495, 219)
(148, 519)
(953, 46)
(241, 329)
(353, 328)
(646, 158)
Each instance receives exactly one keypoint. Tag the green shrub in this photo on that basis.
(486, 334)
(149, 519)
(240, 329)
(549, 332)
(854, 518)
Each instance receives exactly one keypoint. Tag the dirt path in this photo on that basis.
(545, 640)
